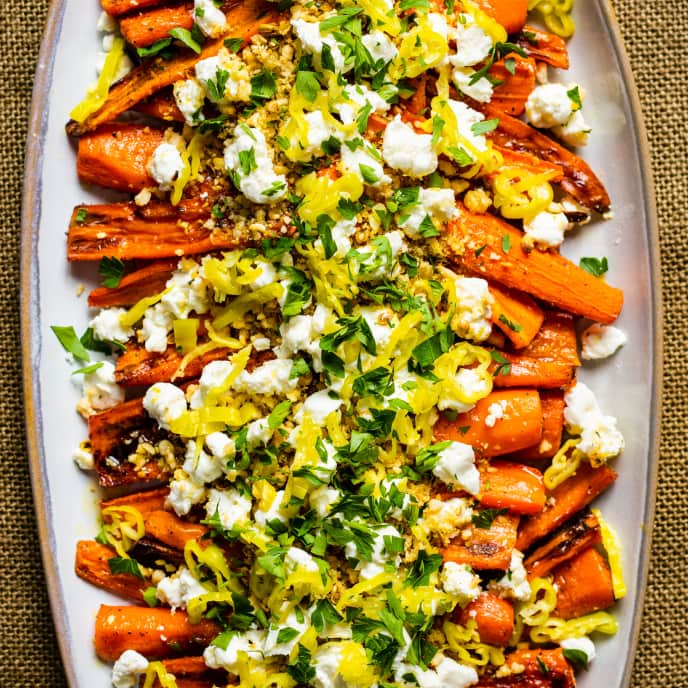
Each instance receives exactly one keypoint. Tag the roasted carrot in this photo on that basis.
(547, 664)
(584, 585)
(494, 618)
(136, 366)
(486, 548)
(161, 105)
(118, 7)
(91, 565)
(245, 19)
(529, 162)
(145, 501)
(525, 371)
(121, 230)
(115, 156)
(112, 435)
(155, 633)
(566, 500)
(552, 402)
(512, 306)
(135, 286)
(579, 180)
(547, 276)
(579, 534)
(516, 83)
(192, 672)
(513, 486)
(514, 681)
(171, 530)
(145, 28)
(519, 425)
(544, 46)
(555, 340)
(511, 14)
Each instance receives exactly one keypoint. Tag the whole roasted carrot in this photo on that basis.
(145, 28)
(511, 14)
(525, 371)
(144, 502)
(494, 618)
(478, 243)
(115, 156)
(513, 486)
(153, 632)
(555, 340)
(550, 664)
(171, 530)
(584, 585)
(486, 548)
(568, 498)
(512, 306)
(135, 286)
(519, 423)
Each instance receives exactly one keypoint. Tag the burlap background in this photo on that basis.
(655, 38)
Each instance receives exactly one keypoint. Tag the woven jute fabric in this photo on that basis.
(652, 31)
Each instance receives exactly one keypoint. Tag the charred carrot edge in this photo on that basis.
(494, 618)
(544, 46)
(520, 426)
(547, 276)
(91, 565)
(117, 7)
(573, 538)
(579, 179)
(153, 632)
(516, 307)
(547, 664)
(486, 548)
(515, 88)
(528, 161)
(555, 340)
(513, 486)
(532, 372)
(115, 156)
(552, 402)
(135, 286)
(136, 366)
(118, 230)
(145, 28)
(568, 499)
(584, 585)
(511, 14)
(172, 530)
(143, 81)
(145, 501)
(161, 105)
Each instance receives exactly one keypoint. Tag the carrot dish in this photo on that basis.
(330, 372)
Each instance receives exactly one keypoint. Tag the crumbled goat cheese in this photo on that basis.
(270, 378)
(460, 581)
(312, 43)
(184, 493)
(379, 46)
(178, 589)
(107, 326)
(259, 432)
(276, 510)
(83, 458)
(582, 644)
(549, 105)
(377, 265)
(106, 23)
(495, 412)
(471, 385)
(210, 19)
(546, 229)
(165, 165)
(514, 583)
(318, 406)
(326, 662)
(189, 95)
(447, 672)
(232, 657)
(302, 333)
(364, 161)
(575, 132)
(472, 319)
(446, 518)
(201, 467)
(438, 204)
(370, 569)
(481, 90)
(99, 390)
(456, 467)
(600, 438)
(407, 151)
(165, 403)
(213, 378)
(473, 45)
(296, 558)
(381, 322)
(212, 71)
(466, 118)
(221, 446)
(127, 669)
(231, 506)
(297, 622)
(157, 323)
(601, 341)
(253, 171)
(356, 97)
(322, 498)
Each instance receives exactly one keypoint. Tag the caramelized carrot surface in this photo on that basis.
(115, 156)
(153, 632)
(511, 14)
(493, 616)
(161, 105)
(513, 486)
(486, 548)
(544, 46)
(144, 502)
(547, 276)
(135, 286)
(117, 7)
(512, 306)
(519, 426)
(552, 402)
(567, 499)
(515, 83)
(549, 664)
(145, 28)
(584, 585)
(172, 530)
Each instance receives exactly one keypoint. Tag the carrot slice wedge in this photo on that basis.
(516, 83)
(548, 664)
(171, 530)
(153, 632)
(135, 286)
(494, 618)
(513, 486)
(511, 14)
(519, 426)
(547, 276)
(552, 402)
(544, 46)
(512, 306)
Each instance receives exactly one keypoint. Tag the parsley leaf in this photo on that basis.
(216, 87)
(577, 657)
(514, 327)
(150, 596)
(233, 44)
(307, 85)
(263, 86)
(300, 669)
(324, 614)
(70, 342)
(187, 38)
(154, 49)
(483, 519)
(595, 266)
(123, 565)
(480, 128)
(423, 567)
(278, 414)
